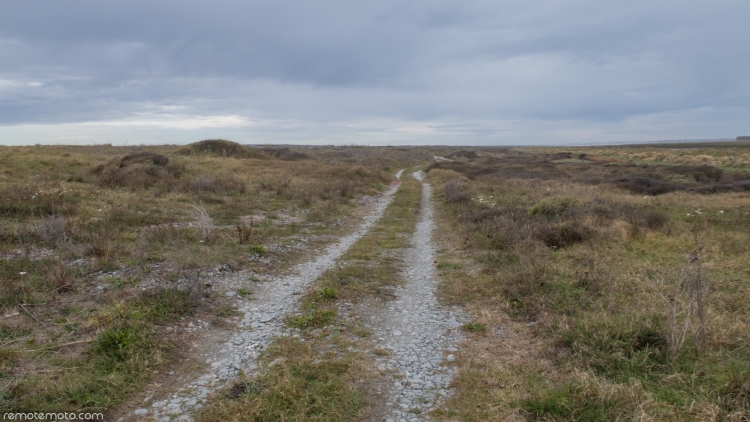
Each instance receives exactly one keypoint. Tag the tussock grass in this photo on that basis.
(312, 317)
(573, 270)
(731, 155)
(71, 216)
(321, 375)
(122, 352)
(372, 264)
(221, 148)
(301, 385)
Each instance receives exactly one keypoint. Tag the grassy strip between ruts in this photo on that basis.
(320, 373)
(567, 278)
(84, 230)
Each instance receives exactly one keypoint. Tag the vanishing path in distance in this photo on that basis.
(420, 334)
(263, 320)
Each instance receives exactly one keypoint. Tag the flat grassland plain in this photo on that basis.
(601, 283)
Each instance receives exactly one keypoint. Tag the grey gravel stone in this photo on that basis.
(418, 330)
(272, 301)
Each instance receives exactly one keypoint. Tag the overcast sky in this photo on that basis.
(375, 72)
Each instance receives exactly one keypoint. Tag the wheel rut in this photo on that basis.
(263, 320)
(420, 334)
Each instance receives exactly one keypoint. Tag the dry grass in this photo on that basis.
(301, 385)
(82, 228)
(370, 268)
(560, 263)
(727, 155)
(204, 221)
(325, 377)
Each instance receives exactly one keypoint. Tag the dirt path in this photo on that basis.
(420, 334)
(263, 320)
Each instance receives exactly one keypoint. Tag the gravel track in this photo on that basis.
(420, 333)
(263, 320)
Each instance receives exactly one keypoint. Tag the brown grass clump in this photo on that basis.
(84, 229)
(463, 154)
(301, 385)
(454, 192)
(137, 171)
(324, 378)
(716, 154)
(557, 252)
(285, 153)
(221, 148)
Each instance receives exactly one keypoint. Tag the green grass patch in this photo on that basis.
(121, 283)
(116, 365)
(12, 333)
(475, 327)
(302, 385)
(313, 318)
(166, 304)
(449, 266)
(570, 404)
(326, 294)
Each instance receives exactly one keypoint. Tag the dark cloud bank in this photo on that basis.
(472, 72)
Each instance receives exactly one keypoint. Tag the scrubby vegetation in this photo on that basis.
(618, 276)
(622, 282)
(103, 248)
(323, 375)
(221, 148)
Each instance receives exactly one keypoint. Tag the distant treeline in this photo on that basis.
(743, 138)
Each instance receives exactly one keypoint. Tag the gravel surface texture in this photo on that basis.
(421, 334)
(263, 320)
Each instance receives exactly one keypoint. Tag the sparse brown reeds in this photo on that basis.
(244, 231)
(204, 221)
(685, 302)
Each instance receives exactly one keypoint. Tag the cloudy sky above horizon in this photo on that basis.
(386, 72)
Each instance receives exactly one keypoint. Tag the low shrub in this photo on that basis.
(144, 157)
(560, 235)
(454, 192)
(51, 229)
(142, 172)
(221, 148)
(556, 207)
(646, 185)
(644, 216)
(463, 154)
(702, 174)
(286, 154)
(742, 186)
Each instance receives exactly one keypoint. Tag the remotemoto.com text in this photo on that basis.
(48, 416)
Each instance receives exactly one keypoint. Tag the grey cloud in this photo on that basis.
(484, 65)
